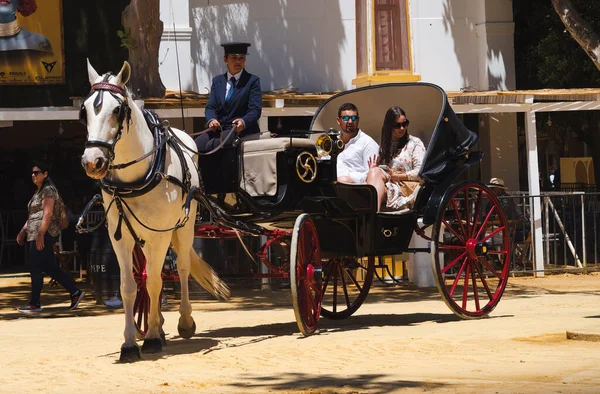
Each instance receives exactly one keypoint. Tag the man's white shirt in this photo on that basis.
(353, 162)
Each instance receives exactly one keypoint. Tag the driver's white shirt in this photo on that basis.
(354, 159)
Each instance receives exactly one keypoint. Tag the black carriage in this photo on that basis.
(285, 189)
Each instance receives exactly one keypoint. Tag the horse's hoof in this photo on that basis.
(163, 339)
(152, 345)
(186, 333)
(130, 354)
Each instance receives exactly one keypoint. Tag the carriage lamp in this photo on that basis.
(324, 145)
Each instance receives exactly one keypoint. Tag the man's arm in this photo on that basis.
(210, 112)
(254, 103)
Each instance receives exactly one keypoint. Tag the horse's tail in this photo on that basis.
(207, 277)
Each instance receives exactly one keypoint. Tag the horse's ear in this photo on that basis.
(92, 74)
(125, 73)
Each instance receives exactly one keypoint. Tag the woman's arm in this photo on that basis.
(22, 233)
(48, 207)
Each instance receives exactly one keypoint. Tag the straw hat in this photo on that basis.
(497, 182)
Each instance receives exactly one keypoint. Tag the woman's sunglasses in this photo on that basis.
(401, 124)
(346, 118)
(36, 172)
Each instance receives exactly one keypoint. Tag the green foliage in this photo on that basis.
(126, 40)
(546, 55)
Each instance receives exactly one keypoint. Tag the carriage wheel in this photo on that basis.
(346, 285)
(306, 274)
(471, 250)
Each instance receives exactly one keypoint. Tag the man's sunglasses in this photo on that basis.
(35, 172)
(401, 124)
(346, 118)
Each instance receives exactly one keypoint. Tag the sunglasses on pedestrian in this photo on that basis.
(35, 172)
(346, 118)
(401, 124)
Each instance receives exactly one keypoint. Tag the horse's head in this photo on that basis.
(104, 112)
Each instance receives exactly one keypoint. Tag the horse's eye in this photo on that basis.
(116, 111)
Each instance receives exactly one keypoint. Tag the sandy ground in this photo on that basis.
(402, 340)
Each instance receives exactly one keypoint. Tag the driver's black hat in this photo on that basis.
(236, 48)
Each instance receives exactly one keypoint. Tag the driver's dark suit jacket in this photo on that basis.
(245, 102)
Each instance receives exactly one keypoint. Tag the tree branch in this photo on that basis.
(580, 30)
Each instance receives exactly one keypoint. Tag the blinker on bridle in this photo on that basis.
(123, 112)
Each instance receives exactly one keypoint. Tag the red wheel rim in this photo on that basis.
(306, 277)
(471, 253)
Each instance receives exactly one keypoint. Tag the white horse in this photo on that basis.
(140, 197)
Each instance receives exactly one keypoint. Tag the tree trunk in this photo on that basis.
(141, 20)
(580, 30)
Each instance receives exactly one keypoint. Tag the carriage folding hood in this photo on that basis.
(431, 119)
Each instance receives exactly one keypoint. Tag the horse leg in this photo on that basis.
(182, 243)
(129, 350)
(155, 253)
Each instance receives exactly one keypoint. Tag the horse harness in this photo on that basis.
(163, 138)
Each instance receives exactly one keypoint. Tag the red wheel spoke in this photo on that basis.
(493, 233)
(353, 279)
(466, 287)
(476, 213)
(475, 294)
(457, 235)
(451, 247)
(447, 267)
(489, 267)
(484, 282)
(485, 221)
(498, 252)
(328, 277)
(341, 271)
(335, 286)
(459, 219)
(462, 267)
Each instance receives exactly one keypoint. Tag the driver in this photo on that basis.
(360, 150)
(235, 102)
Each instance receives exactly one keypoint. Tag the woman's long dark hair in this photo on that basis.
(385, 149)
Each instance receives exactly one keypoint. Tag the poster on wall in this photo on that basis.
(31, 42)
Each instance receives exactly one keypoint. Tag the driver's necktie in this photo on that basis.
(231, 87)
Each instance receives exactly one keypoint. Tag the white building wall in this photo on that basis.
(311, 44)
(307, 44)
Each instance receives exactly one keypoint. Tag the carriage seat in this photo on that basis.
(259, 163)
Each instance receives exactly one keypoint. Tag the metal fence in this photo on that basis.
(569, 231)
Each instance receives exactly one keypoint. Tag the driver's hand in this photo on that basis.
(239, 125)
(214, 124)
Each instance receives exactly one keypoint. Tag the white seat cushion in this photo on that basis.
(259, 163)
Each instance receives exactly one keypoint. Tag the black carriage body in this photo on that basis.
(346, 214)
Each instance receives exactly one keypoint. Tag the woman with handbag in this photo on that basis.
(40, 232)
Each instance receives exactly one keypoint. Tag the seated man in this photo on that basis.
(360, 150)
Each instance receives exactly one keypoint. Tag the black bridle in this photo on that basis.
(123, 113)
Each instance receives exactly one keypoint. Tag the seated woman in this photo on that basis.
(395, 175)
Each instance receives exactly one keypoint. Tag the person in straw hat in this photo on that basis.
(511, 210)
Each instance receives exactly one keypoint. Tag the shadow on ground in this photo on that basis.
(299, 382)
